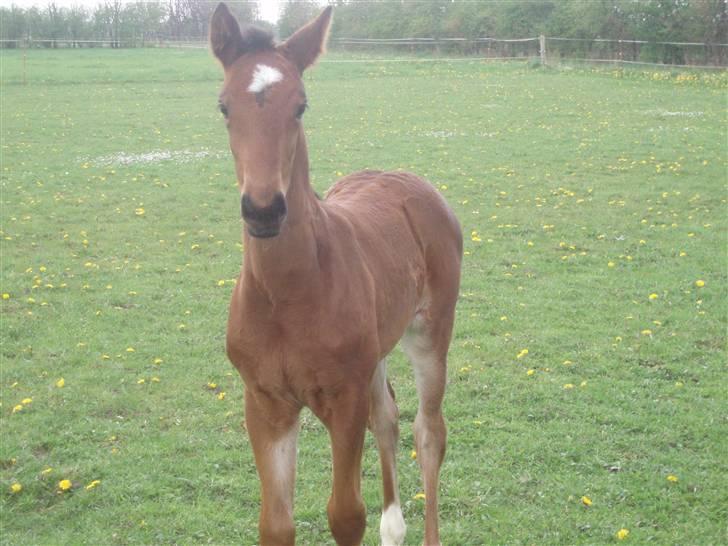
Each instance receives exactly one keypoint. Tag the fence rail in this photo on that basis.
(547, 49)
(633, 41)
(556, 49)
(387, 41)
(50, 43)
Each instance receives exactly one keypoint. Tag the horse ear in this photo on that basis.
(308, 42)
(225, 37)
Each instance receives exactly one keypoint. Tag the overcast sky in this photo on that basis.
(268, 8)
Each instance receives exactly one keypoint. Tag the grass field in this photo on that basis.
(589, 358)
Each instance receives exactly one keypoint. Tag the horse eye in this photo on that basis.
(301, 110)
(223, 109)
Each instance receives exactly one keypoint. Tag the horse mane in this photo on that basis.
(256, 39)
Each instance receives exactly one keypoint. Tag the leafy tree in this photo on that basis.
(76, 23)
(13, 23)
(296, 13)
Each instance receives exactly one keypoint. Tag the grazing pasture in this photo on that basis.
(587, 372)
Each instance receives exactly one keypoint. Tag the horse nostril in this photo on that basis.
(271, 214)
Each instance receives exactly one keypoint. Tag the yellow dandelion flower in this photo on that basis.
(419, 496)
(130, 349)
(17, 408)
(221, 283)
(155, 379)
(61, 383)
(92, 485)
(569, 386)
(586, 501)
(610, 264)
(46, 471)
(139, 211)
(653, 296)
(646, 332)
(6, 296)
(700, 283)
(212, 386)
(530, 372)
(672, 478)
(622, 534)
(158, 361)
(26, 401)
(16, 488)
(221, 396)
(522, 353)
(141, 381)
(413, 455)
(105, 357)
(65, 485)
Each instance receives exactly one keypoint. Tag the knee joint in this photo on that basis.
(347, 522)
(277, 534)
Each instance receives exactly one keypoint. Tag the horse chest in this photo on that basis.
(300, 351)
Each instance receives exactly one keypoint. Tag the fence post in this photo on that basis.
(25, 48)
(542, 47)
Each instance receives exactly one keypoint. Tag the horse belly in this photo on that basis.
(385, 210)
(399, 275)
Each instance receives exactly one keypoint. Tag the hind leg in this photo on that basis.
(426, 344)
(384, 424)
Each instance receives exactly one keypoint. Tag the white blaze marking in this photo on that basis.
(392, 528)
(263, 77)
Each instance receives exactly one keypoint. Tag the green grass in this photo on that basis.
(580, 193)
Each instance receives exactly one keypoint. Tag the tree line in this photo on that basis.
(115, 22)
(654, 21)
(581, 21)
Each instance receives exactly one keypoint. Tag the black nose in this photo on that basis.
(263, 221)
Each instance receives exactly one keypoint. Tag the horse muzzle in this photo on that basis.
(264, 222)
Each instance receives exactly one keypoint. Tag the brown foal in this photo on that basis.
(326, 291)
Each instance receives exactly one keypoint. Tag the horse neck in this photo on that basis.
(281, 265)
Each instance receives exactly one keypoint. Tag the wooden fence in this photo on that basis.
(544, 49)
